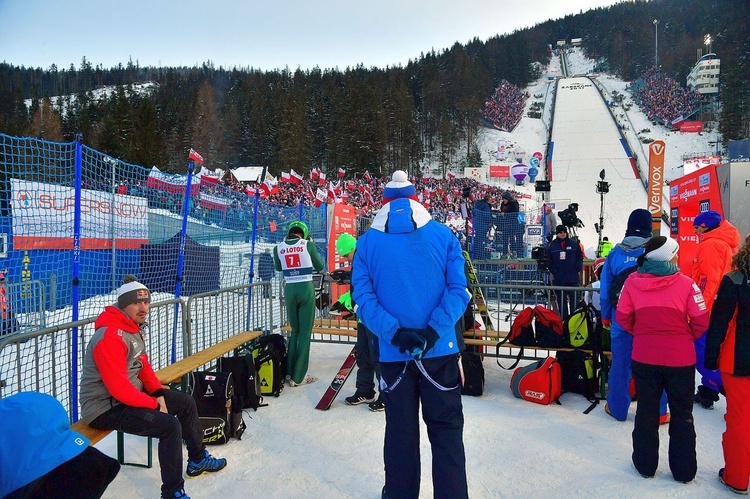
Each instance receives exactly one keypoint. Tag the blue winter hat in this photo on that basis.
(709, 219)
(399, 187)
(639, 224)
(507, 195)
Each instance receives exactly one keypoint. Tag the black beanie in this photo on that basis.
(639, 224)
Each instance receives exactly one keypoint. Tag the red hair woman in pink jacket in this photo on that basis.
(665, 312)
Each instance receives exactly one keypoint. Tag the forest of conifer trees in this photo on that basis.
(374, 119)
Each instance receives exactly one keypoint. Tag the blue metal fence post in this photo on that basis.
(251, 274)
(76, 274)
(181, 258)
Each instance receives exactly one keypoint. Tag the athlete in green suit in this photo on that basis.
(296, 256)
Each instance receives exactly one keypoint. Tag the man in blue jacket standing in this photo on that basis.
(410, 290)
(565, 262)
(621, 260)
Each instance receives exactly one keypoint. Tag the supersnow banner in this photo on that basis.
(174, 184)
(43, 216)
(689, 196)
(656, 182)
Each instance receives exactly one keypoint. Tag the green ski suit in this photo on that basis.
(297, 258)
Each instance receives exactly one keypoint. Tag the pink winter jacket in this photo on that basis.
(665, 314)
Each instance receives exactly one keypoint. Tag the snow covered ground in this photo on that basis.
(514, 448)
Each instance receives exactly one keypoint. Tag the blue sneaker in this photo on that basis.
(179, 494)
(207, 463)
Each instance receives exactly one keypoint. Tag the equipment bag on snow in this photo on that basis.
(271, 363)
(579, 327)
(473, 374)
(538, 382)
(246, 381)
(579, 375)
(213, 392)
(548, 327)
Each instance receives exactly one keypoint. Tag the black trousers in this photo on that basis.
(442, 412)
(86, 476)
(368, 367)
(679, 383)
(170, 431)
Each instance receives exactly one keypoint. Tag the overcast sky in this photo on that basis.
(257, 33)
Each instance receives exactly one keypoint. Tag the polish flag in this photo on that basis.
(367, 176)
(285, 177)
(194, 156)
(314, 173)
(450, 175)
(321, 178)
(295, 177)
(320, 197)
(342, 173)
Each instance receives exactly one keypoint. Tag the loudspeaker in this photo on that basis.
(542, 186)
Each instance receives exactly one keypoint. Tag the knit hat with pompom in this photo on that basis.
(399, 187)
(132, 291)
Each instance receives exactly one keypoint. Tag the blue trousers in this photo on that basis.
(710, 379)
(618, 398)
(442, 412)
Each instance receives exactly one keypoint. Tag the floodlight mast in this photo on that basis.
(602, 188)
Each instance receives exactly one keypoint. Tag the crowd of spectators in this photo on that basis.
(662, 98)
(505, 108)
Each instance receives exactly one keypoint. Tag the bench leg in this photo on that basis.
(121, 452)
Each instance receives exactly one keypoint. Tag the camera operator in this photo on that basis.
(565, 263)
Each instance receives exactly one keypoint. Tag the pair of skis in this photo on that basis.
(477, 293)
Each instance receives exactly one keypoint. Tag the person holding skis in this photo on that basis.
(410, 289)
(368, 367)
(296, 256)
(718, 241)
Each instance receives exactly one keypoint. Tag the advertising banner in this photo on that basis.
(656, 182)
(499, 171)
(43, 217)
(344, 219)
(688, 196)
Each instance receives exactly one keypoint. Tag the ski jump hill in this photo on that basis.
(584, 140)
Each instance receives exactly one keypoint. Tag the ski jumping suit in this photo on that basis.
(297, 258)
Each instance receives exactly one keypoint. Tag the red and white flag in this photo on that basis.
(295, 177)
(320, 197)
(342, 173)
(367, 176)
(321, 178)
(314, 173)
(450, 175)
(285, 177)
(194, 156)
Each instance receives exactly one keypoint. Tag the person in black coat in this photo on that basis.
(565, 263)
(266, 270)
(482, 220)
(511, 239)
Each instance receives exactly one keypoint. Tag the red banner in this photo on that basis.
(691, 126)
(499, 171)
(689, 196)
(344, 220)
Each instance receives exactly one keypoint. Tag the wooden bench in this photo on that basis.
(327, 326)
(173, 373)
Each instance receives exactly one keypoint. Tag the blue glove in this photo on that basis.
(409, 341)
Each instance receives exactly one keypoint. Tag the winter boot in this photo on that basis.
(360, 398)
(705, 397)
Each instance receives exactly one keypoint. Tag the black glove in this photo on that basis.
(409, 341)
(430, 336)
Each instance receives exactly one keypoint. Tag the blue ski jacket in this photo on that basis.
(409, 272)
(621, 257)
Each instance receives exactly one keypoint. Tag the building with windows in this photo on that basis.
(704, 77)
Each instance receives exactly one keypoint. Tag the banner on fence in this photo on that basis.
(43, 216)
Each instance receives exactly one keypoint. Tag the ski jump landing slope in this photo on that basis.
(585, 140)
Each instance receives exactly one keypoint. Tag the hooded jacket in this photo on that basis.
(408, 271)
(728, 338)
(713, 258)
(622, 256)
(116, 369)
(665, 315)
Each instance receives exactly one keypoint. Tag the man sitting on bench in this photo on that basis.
(119, 391)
